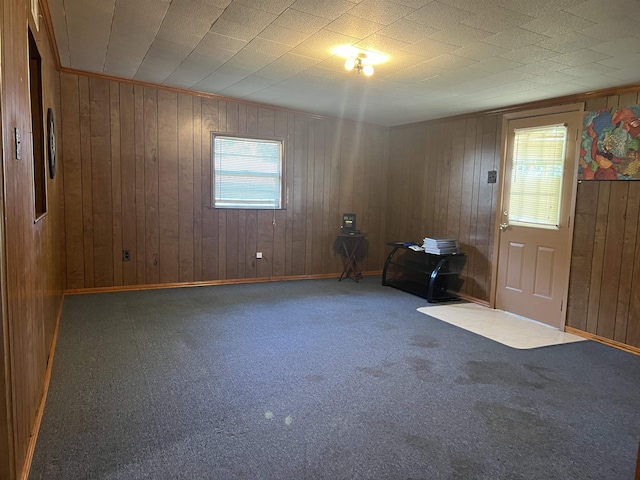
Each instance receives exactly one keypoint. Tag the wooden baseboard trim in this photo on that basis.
(606, 341)
(209, 283)
(45, 390)
(469, 298)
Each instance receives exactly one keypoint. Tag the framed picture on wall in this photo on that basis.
(610, 145)
(51, 143)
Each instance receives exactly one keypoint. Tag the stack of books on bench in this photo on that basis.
(440, 246)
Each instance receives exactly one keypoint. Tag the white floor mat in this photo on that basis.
(508, 329)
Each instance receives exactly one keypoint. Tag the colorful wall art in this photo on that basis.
(610, 148)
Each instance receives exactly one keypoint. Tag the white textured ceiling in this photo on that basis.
(446, 57)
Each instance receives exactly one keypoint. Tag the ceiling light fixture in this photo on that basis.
(358, 63)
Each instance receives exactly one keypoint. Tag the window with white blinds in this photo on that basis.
(247, 173)
(536, 176)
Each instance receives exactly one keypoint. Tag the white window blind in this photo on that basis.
(247, 173)
(536, 176)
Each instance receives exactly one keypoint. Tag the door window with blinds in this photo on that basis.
(247, 172)
(536, 176)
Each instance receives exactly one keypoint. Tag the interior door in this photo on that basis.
(538, 198)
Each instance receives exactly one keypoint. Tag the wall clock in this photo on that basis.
(51, 141)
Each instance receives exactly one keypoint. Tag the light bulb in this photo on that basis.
(367, 70)
(349, 64)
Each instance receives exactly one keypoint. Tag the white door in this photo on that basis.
(536, 225)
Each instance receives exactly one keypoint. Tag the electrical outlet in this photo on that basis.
(126, 255)
(258, 254)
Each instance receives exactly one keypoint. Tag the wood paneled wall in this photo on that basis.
(138, 178)
(438, 187)
(604, 291)
(32, 272)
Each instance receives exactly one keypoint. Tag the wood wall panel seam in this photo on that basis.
(581, 261)
(140, 255)
(168, 187)
(128, 181)
(197, 189)
(151, 186)
(101, 202)
(186, 186)
(87, 195)
(612, 260)
(71, 144)
(597, 260)
(116, 182)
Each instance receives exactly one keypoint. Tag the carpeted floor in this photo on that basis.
(322, 380)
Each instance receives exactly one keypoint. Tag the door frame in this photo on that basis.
(575, 108)
(7, 390)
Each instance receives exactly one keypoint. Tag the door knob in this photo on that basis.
(504, 227)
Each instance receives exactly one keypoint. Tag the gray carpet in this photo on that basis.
(320, 379)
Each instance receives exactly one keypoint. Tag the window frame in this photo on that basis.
(38, 131)
(516, 166)
(256, 138)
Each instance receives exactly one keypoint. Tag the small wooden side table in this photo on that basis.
(351, 243)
